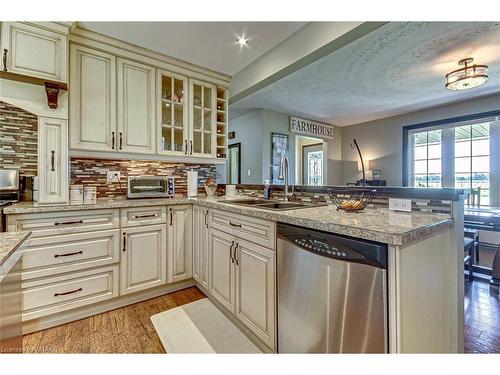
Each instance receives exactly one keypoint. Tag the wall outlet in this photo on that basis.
(249, 172)
(400, 204)
(113, 176)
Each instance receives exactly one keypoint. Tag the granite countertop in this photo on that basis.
(10, 242)
(393, 228)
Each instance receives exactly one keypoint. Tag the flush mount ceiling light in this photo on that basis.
(468, 77)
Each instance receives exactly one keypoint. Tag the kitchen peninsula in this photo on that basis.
(423, 274)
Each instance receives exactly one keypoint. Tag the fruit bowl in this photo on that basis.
(352, 200)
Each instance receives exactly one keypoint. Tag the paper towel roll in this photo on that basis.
(192, 182)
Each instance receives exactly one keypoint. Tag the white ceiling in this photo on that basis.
(398, 68)
(208, 44)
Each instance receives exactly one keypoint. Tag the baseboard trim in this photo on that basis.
(50, 321)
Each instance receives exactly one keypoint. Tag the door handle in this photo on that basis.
(231, 252)
(185, 147)
(191, 143)
(235, 258)
(68, 254)
(112, 140)
(206, 220)
(124, 242)
(70, 292)
(121, 141)
(52, 160)
(5, 59)
(171, 217)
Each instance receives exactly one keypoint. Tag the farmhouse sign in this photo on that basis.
(311, 128)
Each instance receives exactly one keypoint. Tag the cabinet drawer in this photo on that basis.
(47, 256)
(60, 293)
(131, 217)
(51, 224)
(256, 230)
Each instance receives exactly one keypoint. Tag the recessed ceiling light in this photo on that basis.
(242, 41)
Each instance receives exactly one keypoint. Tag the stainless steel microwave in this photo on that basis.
(150, 187)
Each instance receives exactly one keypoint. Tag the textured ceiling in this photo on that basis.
(208, 44)
(396, 69)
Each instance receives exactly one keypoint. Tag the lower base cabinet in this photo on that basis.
(201, 240)
(143, 258)
(242, 279)
(180, 243)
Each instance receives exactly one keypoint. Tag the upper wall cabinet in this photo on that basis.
(92, 99)
(36, 51)
(202, 105)
(136, 107)
(172, 113)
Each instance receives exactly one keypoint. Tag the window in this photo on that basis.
(472, 159)
(427, 159)
(458, 153)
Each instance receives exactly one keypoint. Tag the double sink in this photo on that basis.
(275, 205)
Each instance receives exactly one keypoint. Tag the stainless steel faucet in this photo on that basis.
(283, 175)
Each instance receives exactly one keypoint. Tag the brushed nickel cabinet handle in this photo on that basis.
(112, 140)
(235, 225)
(5, 59)
(231, 252)
(68, 254)
(121, 141)
(66, 293)
(235, 258)
(52, 160)
(124, 242)
(68, 222)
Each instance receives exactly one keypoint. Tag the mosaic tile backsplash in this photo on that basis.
(18, 140)
(93, 172)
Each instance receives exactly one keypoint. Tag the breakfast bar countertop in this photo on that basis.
(393, 228)
(10, 243)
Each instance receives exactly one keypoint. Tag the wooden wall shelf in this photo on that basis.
(52, 88)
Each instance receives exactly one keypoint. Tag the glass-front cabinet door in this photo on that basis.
(203, 119)
(173, 114)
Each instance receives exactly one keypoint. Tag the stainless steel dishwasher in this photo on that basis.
(332, 293)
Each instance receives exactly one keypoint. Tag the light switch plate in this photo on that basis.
(113, 176)
(396, 204)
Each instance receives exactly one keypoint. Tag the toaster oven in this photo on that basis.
(150, 187)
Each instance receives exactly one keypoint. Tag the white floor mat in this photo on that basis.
(199, 327)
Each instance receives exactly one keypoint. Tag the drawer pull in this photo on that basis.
(68, 254)
(68, 222)
(235, 225)
(144, 216)
(66, 293)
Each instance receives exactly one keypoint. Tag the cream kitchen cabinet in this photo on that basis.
(221, 272)
(143, 258)
(242, 279)
(136, 107)
(202, 119)
(35, 49)
(92, 95)
(180, 243)
(255, 297)
(201, 243)
(53, 160)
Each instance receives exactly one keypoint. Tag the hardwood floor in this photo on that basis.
(124, 330)
(482, 320)
(129, 329)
